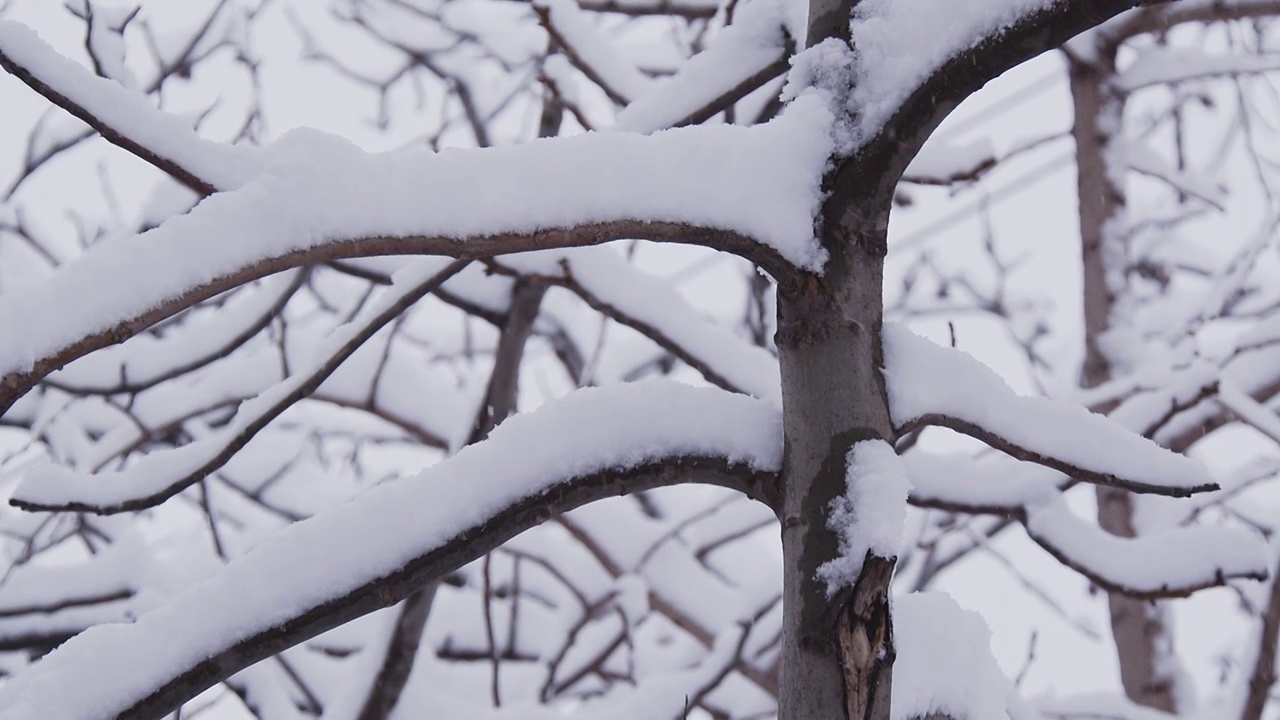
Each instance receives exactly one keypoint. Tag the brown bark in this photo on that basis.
(1137, 625)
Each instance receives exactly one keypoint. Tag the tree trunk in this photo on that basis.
(1138, 626)
(837, 653)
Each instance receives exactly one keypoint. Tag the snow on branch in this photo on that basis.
(932, 385)
(996, 484)
(898, 51)
(42, 606)
(591, 51)
(1171, 563)
(753, 191)
(1163, 66)
(124, 117)
(944, 663)
(145, 361)
(743, 57)
(160, 475)
(657, 310)
(396, 537)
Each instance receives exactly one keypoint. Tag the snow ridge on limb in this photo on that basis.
(124, 117)
(745, 55)
(394, 538)
(591, 51)
(753, 191)
(1171, 563)
(932, 385)
(160, 475)
(654, 308)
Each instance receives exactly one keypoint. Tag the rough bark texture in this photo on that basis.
(833, 395)
(1137, 625)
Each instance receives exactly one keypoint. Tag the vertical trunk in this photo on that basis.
(1138, 626)
(837, 653)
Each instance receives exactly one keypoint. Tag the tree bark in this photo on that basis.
(1138, 626)
(837, 654)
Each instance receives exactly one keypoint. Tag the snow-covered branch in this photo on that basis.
(658, 311)
(313, 576)
(752, 191)
(932, 385)
(749, 53)
(124, 117)
(1140, 567)
(912, 74)
(164, 473)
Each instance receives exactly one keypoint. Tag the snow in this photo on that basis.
(316, 560)
(1160, 65)
(944, 662)
(654, 307)
(598, 56)
(319, 192)
(926, 380)
(939, 161)
(163, 471)
(147, 358)
(747, 47)
(126, 111)
(870, 516)
(1152, 563)
(993, 481)
(899, 43)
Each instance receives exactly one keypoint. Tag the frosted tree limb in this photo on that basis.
(164, 473)
(932, 385)
(594, 444)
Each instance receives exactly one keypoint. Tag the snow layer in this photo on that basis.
(51, 485)
(926, 379)
(129, 112)
(869, 517)
(994, 481)
(899, 43)
(654, 304)
(1180, 557)
(750, 45)
(595, 51)
(339, 550)
(944, 661)
(320, 190)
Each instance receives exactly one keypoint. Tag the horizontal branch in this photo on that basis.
(929, 384)
(749, 191)
(398, 537)
(1079, 471)
(1171, 563)
(690, 9)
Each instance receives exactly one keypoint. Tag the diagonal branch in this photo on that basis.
(123, 117)
(592, 445)
(889, 147)
(165, 473)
